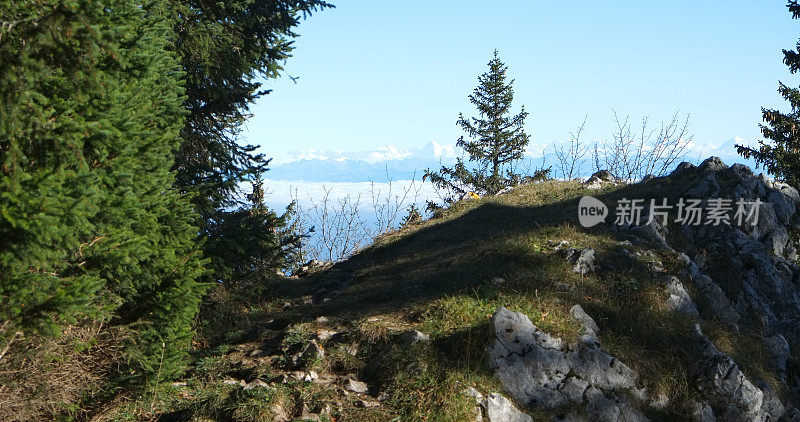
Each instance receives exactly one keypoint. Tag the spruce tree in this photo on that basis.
(781, 157)
(91, 226)
(495, 139)
(225, 48)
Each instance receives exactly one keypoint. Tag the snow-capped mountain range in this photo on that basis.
(394, 163)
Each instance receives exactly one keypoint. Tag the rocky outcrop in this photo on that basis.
(754, 281)
(600, 179)
(543, 371)
(745, 274)
(728, 392)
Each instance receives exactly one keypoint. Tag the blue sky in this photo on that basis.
(376, 73)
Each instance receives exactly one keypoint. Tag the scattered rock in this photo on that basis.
(308, 268)
(717, 301)
(324, 335)
(256, 384)
(367, 404)
(354, 385)
(258, 353)
(239, 383)
(475, 414)
(679, 299)
(601, 178)
(410, 337)
(582, 260)
(473, 393)
(311, 352)
(702, 412)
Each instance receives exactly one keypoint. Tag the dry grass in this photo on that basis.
(41, 378)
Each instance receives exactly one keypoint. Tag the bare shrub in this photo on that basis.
(570, 157)
(388, 206)
(335, 228)
(649, 151)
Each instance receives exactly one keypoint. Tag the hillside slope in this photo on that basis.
(452, 318)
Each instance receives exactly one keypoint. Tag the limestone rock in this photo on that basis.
(354, 385)
(543, 371)
(779, 348)
(582, 260)
(589, 326)
(731, 395)
(500, 409)
(679, 299)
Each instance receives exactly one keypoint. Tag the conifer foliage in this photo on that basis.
(495, 139)
(91, 108)
(781, 157)
(225, 48)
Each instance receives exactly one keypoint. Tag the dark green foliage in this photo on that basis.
(90, 113)
(252, 240)
(495, 140)
(414, 216)
(223, 48)
(781, 157)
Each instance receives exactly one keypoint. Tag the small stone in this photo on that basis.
(258, 353)
(367, 404)
(310, 376)
(582, 260)
(409, 337)
(240, 383)
(324, 335)
(256, 384)
(679, 299)
(578, 313)
(312, 351)
(475, 414)
(351, 384)
(279, 379)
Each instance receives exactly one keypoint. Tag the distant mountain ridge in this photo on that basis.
(393, 163)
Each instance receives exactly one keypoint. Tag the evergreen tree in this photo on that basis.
(253, 240)
(224, 47)
(495, 138)
(782, 156)
(91, 227)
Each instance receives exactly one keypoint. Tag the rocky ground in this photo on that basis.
(505, 309)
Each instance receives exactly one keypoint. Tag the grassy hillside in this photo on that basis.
(444, 277)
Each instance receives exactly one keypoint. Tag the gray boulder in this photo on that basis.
(583, 260)
(779, 348)
(679, 299)
(500, 409)
(732, 396)
(543, 371)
